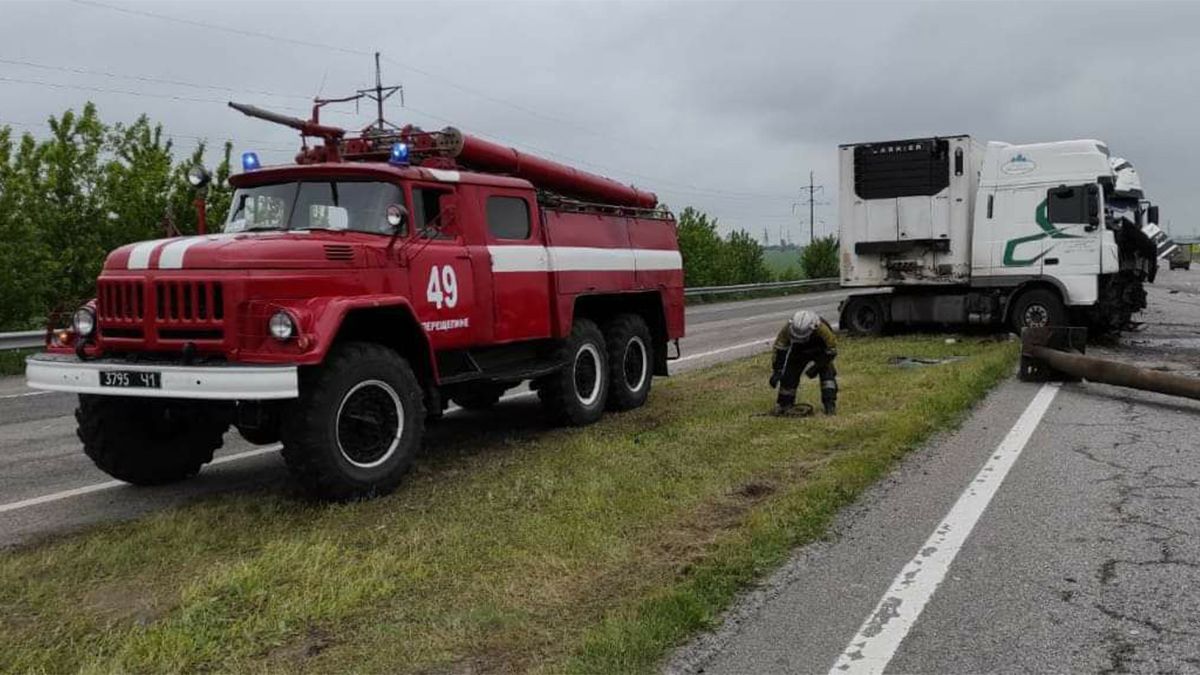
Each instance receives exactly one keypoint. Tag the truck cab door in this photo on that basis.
(1071, 220)
(439, 263)
(1016, 233)
(520, 265)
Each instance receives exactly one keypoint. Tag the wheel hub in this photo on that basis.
(635, 365)
(587, 374)
(370, 422)
(1036, 316)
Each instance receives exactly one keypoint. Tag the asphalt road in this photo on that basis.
(47, 485)
(1058, 530)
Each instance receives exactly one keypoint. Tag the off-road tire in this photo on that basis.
(1037, 303)
(586, 359)
(863, 315)
(630, 361)
(369, 392)
(479, 397)
(150, 441)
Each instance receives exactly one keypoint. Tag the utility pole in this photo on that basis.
(809, 199)
(379, 94)
(766, 238)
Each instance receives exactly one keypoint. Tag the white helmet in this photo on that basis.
(802, 325)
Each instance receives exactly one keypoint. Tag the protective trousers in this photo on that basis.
(794, 365)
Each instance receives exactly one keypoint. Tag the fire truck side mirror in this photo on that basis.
(1153, 215)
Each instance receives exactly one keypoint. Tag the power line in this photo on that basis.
(422, 71)
(143, 94)
(228, 29)
(146, 78)
(344, 50)
(257, 144)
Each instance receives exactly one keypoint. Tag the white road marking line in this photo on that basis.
(26, 394)
(876, 642)
(108, 485)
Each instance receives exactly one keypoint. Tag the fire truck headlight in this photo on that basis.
(282, 325)
(84, 322)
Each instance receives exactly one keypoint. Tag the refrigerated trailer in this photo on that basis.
(951, 231)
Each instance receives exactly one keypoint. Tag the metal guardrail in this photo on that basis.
(767, 286)
(36, 338)
(25, 339)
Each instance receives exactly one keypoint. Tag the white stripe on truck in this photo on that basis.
(581, 259)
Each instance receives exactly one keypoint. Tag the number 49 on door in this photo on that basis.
(442, 289)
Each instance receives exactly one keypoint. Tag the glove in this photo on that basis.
(774, 381)
(813, 370)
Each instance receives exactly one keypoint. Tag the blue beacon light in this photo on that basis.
(250, 161)
(399, 154)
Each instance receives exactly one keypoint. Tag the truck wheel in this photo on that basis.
(576, 394)
(630, 361)
(149, 441)
(357, 425)
(863, 315)
(1036, 308)
(480, 397)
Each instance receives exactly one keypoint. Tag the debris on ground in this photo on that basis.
(918, 361)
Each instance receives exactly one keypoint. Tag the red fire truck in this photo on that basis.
(355, 293)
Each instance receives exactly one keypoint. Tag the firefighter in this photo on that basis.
(807, 341)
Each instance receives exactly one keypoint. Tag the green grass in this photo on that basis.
(12, 361)
(511, 547)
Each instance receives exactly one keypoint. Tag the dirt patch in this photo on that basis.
(755, 490)
(297, 652)
(127, 601)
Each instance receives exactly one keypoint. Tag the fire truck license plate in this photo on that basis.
(129, 379)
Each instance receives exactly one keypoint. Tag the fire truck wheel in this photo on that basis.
(479, 397)
(1038, 307)
(630, 361)
(357, 425)
(576, 394)
(150, 441)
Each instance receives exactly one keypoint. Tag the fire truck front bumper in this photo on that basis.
(112, 377)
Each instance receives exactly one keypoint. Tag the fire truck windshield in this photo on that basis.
(360, 206)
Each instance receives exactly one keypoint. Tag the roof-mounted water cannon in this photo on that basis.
(329, 152)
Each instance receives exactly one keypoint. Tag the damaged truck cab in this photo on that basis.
(357, 292)
(1022, 235)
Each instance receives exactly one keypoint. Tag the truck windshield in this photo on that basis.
(314, 205)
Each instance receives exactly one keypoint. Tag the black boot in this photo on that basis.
(829, 401)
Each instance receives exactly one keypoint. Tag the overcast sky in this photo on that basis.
(721, 106)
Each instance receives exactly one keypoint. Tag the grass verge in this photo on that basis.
(512, 547)
(12, 361)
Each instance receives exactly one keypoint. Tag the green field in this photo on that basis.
(779, 261)
(512, 547)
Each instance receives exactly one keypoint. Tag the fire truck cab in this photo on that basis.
(355, 294)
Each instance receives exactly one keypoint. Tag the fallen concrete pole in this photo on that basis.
(1093, 369)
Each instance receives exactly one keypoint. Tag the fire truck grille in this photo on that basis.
(172, 309)
(189, 302)
(121, 302)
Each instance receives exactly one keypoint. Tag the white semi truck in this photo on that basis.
(950, 231)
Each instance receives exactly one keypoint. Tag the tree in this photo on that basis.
(819, 260)
(700, 247)
(68, 200)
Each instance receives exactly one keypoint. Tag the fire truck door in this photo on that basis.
(520, 266)
(442, 281)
